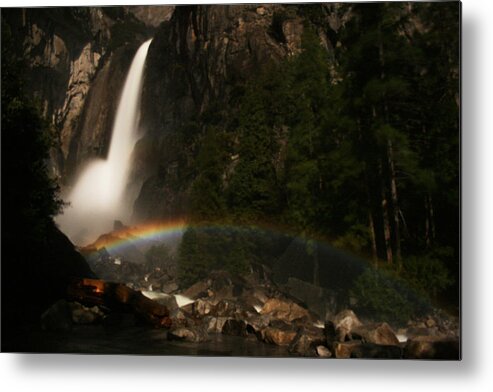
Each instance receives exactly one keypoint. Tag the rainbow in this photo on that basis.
(144, 234)
(150, 233)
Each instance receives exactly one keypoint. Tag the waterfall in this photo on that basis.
(98, 197)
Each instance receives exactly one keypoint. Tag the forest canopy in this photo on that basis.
(359, 147)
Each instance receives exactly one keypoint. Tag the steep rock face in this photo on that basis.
(151, 15)
(78, 57)
(65, 50)
(194, 64)
(201, 52)
(91, 134)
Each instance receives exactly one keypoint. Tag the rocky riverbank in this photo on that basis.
(227, 308)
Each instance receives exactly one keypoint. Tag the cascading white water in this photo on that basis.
(98, 197)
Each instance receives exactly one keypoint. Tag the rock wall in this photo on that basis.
(195, 63)
(76, 59)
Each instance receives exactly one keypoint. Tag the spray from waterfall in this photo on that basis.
(98, 197)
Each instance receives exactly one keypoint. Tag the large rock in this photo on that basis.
(323, 352)
(235, 328)
(344, 349)
(57, 317)
(169, 288)
(344, 323)
(330, 332)
(215, 324)
(203, 307)
(378, 334)
(197, 290)
(85, 315)
(277, 336)
(306, 341)
(163, 299)
(256, 323)
(119, 297)
(284, 310)
(432, 347)
(188, 334)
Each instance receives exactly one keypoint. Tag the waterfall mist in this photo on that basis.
(99, 194)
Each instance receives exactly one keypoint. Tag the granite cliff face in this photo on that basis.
(197, 63)
(71, 54)
(201, 56)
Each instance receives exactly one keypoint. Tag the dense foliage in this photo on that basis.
(358, 145)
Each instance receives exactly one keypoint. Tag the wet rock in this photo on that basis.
(306, 341)
(203, 307)
(121, 298)
(57, 317)
(169, 287)
(235, 328)
(277, 336)
(330, 332)
(197, 290)
(215, 324)
(432, 347)
(344, 349)
(284, 310)
(344, 323)
(323, 352)
(85, 315)
(378, 334)
(377, 351)
(188, 334)
(256, 323)
(163, 299)
(226, 308)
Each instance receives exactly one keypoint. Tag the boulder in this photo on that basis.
(277, 336)
(120, 298)
(197, 290)
(432, 347)
(235, 328)
(255, 323)
(215, 324)
(169, 287)
(85, 315)
(284, 310)
(58, 317)
(225, 285)
(203, 307)
(323, 352)
(344, 323)
(344, 349)
(188, 334)
(377, 351)
(330, 333)
(306, 341)
(226, 308)
(163, 299)
(378, 334)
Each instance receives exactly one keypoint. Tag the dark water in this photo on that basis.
(145, 341)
